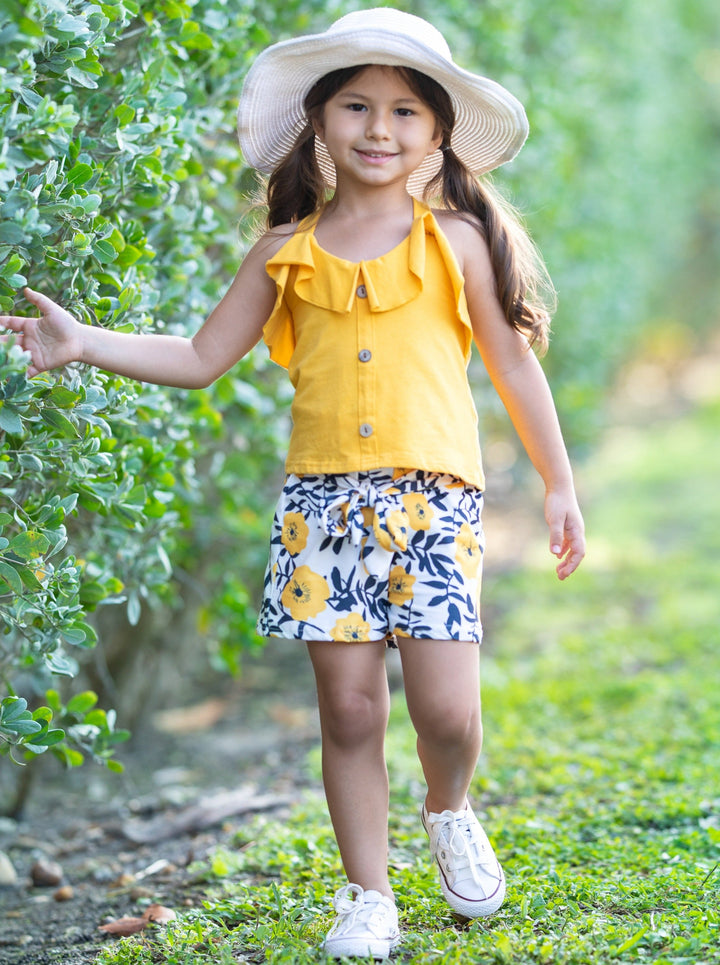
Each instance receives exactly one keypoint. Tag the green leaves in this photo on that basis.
(60, 422)
(10, 576)
(15, 718)
(28, 545)
(112, 194)
(10, 419)
(22, 729)
(79, 174)
(85, 729)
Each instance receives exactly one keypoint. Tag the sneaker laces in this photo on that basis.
(461, 837)
(349, 909)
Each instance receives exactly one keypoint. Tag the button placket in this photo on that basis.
(365, 372)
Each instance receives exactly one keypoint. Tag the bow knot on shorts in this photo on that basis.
(375, 554)
(353, 513)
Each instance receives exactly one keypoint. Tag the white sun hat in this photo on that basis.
(490, 123)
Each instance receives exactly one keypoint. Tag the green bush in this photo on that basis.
(120, 196)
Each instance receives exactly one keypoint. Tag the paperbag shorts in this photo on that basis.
(372, 555)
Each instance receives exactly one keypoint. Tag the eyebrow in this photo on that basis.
(359, 96)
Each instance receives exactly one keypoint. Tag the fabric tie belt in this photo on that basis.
(384, 518)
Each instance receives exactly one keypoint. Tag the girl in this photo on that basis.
(371, 300)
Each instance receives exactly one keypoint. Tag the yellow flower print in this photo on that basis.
(400, 586)
(294, 533)
(305, 594)
(468, 553)
(418, 510)
(392, 529)
(352, 629)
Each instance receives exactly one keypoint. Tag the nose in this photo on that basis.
(377, 126)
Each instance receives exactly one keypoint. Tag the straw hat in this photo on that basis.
(490, 124)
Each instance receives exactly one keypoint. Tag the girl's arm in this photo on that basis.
(526, 395)
(231, 330)
(521, 384)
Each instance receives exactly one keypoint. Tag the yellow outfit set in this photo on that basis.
(377, 352)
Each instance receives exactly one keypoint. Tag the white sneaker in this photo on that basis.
(471, 878)
(366, 924)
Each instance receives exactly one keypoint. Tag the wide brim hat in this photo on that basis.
(490, 123)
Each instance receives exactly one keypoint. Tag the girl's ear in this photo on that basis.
(436, 140)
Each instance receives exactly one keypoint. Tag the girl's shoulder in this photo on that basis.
(465, 234)
(269, 243)
(266, 247)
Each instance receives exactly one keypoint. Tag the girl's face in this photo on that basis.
(376, 129)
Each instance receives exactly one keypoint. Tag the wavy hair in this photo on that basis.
(297, 189)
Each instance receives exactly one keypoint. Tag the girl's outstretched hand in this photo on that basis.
(567, 531)
(53, 339)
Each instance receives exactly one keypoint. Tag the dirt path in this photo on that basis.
(248, 752)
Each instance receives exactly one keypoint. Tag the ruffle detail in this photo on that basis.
(315, 276)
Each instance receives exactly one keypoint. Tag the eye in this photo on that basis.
(404, 112)
(356, 107)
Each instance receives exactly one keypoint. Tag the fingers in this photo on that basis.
(557, 538)
(570, 552)
(14, 322)
(18, 323)
(45, 305)
(570, 563)
(567, 532)
(22, 329)
(39, 300)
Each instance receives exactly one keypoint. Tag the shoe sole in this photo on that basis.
(360, 947)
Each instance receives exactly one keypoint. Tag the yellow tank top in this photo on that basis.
(377, 352)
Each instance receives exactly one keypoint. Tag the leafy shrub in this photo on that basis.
(119, 196)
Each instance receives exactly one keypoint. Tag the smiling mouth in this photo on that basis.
(379, 155)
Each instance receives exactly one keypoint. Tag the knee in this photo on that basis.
(450, 726)
(350, 718)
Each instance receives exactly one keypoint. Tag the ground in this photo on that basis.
(261, 743)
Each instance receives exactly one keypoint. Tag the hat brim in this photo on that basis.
(490, 123)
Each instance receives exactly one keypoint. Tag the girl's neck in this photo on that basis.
(368, 205)
(363, 232)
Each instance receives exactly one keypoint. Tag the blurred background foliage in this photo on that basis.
(123, 195)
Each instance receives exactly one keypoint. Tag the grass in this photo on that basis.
(600, 784)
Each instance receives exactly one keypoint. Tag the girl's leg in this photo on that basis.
(354, 701)
(442, 689)
(442, 686)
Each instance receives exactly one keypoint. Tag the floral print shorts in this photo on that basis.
(375, 554)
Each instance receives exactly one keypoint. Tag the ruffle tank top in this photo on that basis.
(377, 352)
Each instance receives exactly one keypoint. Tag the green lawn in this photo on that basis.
(600, 783)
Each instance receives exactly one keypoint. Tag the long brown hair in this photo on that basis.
(297, 188)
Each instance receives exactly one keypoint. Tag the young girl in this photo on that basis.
(371, 300)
